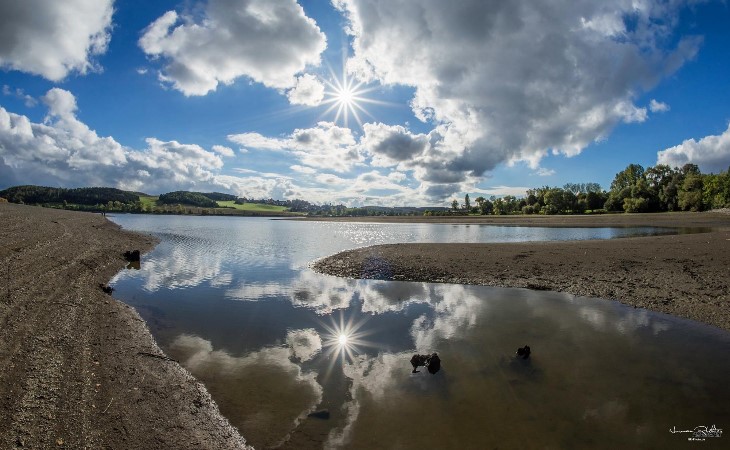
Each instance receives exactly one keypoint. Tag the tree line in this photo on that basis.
(634, 189)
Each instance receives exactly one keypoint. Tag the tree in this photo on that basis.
(690, 196)
(455, 205)
(486, 207)
(467, 203)
(627, 177)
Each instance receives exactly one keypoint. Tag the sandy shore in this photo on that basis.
(685, 275)
(75, 364)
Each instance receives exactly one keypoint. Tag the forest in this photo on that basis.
(635, 189)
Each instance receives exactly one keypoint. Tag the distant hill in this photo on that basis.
(30, 194)
(188, 198)
(217, 196)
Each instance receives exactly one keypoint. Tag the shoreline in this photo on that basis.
(684, 275)
(78, 368)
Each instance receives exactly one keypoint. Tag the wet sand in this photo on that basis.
(79, 369)
(685, 275)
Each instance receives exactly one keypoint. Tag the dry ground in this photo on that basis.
(687, 275)
(76, 369)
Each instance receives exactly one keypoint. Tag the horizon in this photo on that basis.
(359, 103)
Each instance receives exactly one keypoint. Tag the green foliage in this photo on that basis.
(218, 197)
(187, 198)
(662, 188)
(255, 207)
(690, 197)
(80, 198)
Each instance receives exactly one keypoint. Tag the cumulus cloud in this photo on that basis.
(658, 107)
(51, 39)
(391, 144)
(65, 151)
(325, 146)
(711, 153)
(308, 91)
(269, 42)
(223, 151)
(504, 82)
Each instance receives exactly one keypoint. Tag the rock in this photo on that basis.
(132, 256)
(323, 414)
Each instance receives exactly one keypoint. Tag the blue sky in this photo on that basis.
(241, 96)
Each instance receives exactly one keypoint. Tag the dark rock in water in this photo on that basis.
(132, 256)
(431, 362)
(106, 289)
(322, 414)
(434, 364)
(524, 352)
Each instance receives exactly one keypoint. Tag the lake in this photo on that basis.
(297, 359)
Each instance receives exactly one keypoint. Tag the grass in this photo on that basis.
(252, 207)
(148, 200)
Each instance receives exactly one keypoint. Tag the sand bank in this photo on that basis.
(685, 275)
(75, 364)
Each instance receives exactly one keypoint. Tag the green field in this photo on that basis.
(148, 200)
(252, 207)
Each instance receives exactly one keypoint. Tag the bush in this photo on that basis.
(636, 205)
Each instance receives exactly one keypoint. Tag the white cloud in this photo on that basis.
(257, 141)
(543, 172)
(513, 81)
(65, 151)
(711, 153)
(392, 144)
(501, 191)
(269, 42)
(53, 38)
(303, 169)
(658, 107)
(223, 151)
(328, 178)
(325, 146)
(308, 91)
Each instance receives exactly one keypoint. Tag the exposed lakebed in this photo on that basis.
(233, 300)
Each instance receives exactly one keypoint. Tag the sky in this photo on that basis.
(361, 102)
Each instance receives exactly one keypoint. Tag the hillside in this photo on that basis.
(30, 194)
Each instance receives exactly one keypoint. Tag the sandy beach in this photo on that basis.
(79, 369)
(684, 274)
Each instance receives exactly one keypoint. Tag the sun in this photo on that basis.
(342, 339)
(346, 98)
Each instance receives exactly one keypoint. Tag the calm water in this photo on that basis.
(233, 300)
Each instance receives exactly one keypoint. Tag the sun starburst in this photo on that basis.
(346, 98)
(344, 339)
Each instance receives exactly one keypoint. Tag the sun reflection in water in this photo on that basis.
(344, 339)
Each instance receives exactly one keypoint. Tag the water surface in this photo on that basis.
(233, 300)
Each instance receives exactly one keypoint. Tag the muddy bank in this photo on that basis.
(685, 275)
(79, 369)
